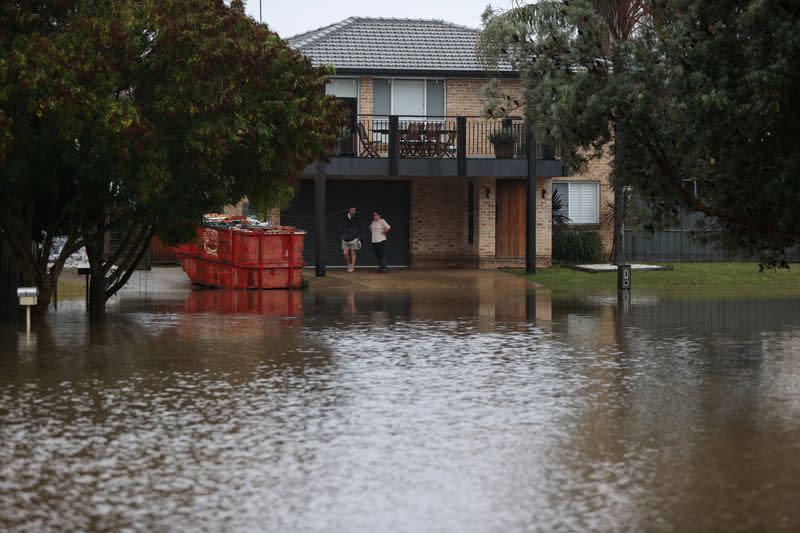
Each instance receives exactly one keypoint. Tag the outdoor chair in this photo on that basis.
(432, 137)
(369, 147)
(446, 147)
(411, 141)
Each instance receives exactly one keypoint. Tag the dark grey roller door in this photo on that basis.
(392, 197)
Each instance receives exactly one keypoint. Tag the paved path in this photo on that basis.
(172, 280)
(404, 279)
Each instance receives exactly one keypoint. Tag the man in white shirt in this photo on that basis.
(379, 228)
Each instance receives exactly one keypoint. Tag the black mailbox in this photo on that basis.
(624, 277)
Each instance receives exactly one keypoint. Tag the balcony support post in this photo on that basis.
(320, 229)
(394, 144)
(530, 211)
(461, 145)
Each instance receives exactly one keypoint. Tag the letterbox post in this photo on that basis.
(28, 296)
(624, 277)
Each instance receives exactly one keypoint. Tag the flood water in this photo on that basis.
(487, 407)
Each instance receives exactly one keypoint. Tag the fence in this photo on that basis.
(670, 245)
(679, 244)
(9, 280)
(435, 136)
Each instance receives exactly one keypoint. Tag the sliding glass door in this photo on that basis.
(408, 98)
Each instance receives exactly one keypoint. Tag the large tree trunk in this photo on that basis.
(46, 290)
(106, 280)
(96, 299)
(618, 248)
(97, 294)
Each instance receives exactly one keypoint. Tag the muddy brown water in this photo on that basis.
(484, 407)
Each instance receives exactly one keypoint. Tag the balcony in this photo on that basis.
(438, 146)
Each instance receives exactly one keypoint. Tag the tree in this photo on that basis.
(131, 117)
(572, 56)
(706, 93)
(714, 99)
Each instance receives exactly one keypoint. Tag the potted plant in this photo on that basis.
(503, 140)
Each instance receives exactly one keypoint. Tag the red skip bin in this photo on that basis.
(234, 253)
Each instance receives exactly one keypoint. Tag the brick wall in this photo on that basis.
(599, 170)
(365, 99)
(439, 224)
(465, 97)
(544, 223)
(485, 222)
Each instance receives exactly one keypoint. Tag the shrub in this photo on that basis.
(560, 219)
(577, 246)
(503, 136)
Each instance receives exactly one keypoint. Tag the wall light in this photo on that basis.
(544, 194)
(488, 192)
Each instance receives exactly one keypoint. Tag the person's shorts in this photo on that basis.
(352, 245)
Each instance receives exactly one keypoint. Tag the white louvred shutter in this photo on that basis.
(584, 202)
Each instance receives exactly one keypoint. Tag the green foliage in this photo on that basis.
(136, 116)
(576, 246)
(687, 89)
(718, 103)
(503, 136)
(559, 217)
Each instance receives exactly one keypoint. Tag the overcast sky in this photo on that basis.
(289, 17)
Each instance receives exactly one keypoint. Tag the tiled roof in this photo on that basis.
(391, 44)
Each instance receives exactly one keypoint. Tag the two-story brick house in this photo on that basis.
(417, 147)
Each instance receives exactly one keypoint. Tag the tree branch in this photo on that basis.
(114, 257)
(662, 162)
(132, 266)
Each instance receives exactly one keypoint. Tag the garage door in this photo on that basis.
(392, 197)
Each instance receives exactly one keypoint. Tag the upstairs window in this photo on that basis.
(342, 87)
(408, 97)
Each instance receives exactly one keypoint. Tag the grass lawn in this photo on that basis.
(717, 275)
(71, 287)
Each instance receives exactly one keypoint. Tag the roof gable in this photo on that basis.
(392, 44)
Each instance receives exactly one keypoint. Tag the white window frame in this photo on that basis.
(424, 91)
(345, 78)
(566, 200)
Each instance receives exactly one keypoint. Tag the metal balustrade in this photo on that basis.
(435, 137)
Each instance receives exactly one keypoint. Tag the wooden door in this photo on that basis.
(510, 225)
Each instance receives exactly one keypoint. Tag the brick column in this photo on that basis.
(544, 223)
(365, 99)
(485, 221)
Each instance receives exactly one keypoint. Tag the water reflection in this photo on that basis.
(484, 406)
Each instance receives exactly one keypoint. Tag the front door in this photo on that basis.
(510, 221)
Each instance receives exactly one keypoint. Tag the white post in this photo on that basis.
(28, 296)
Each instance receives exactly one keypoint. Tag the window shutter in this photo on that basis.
(584, 202)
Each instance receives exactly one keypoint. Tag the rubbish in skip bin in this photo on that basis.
(28, 296)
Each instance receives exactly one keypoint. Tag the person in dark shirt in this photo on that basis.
(351, 238)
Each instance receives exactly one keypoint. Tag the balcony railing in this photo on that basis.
(377, 136)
